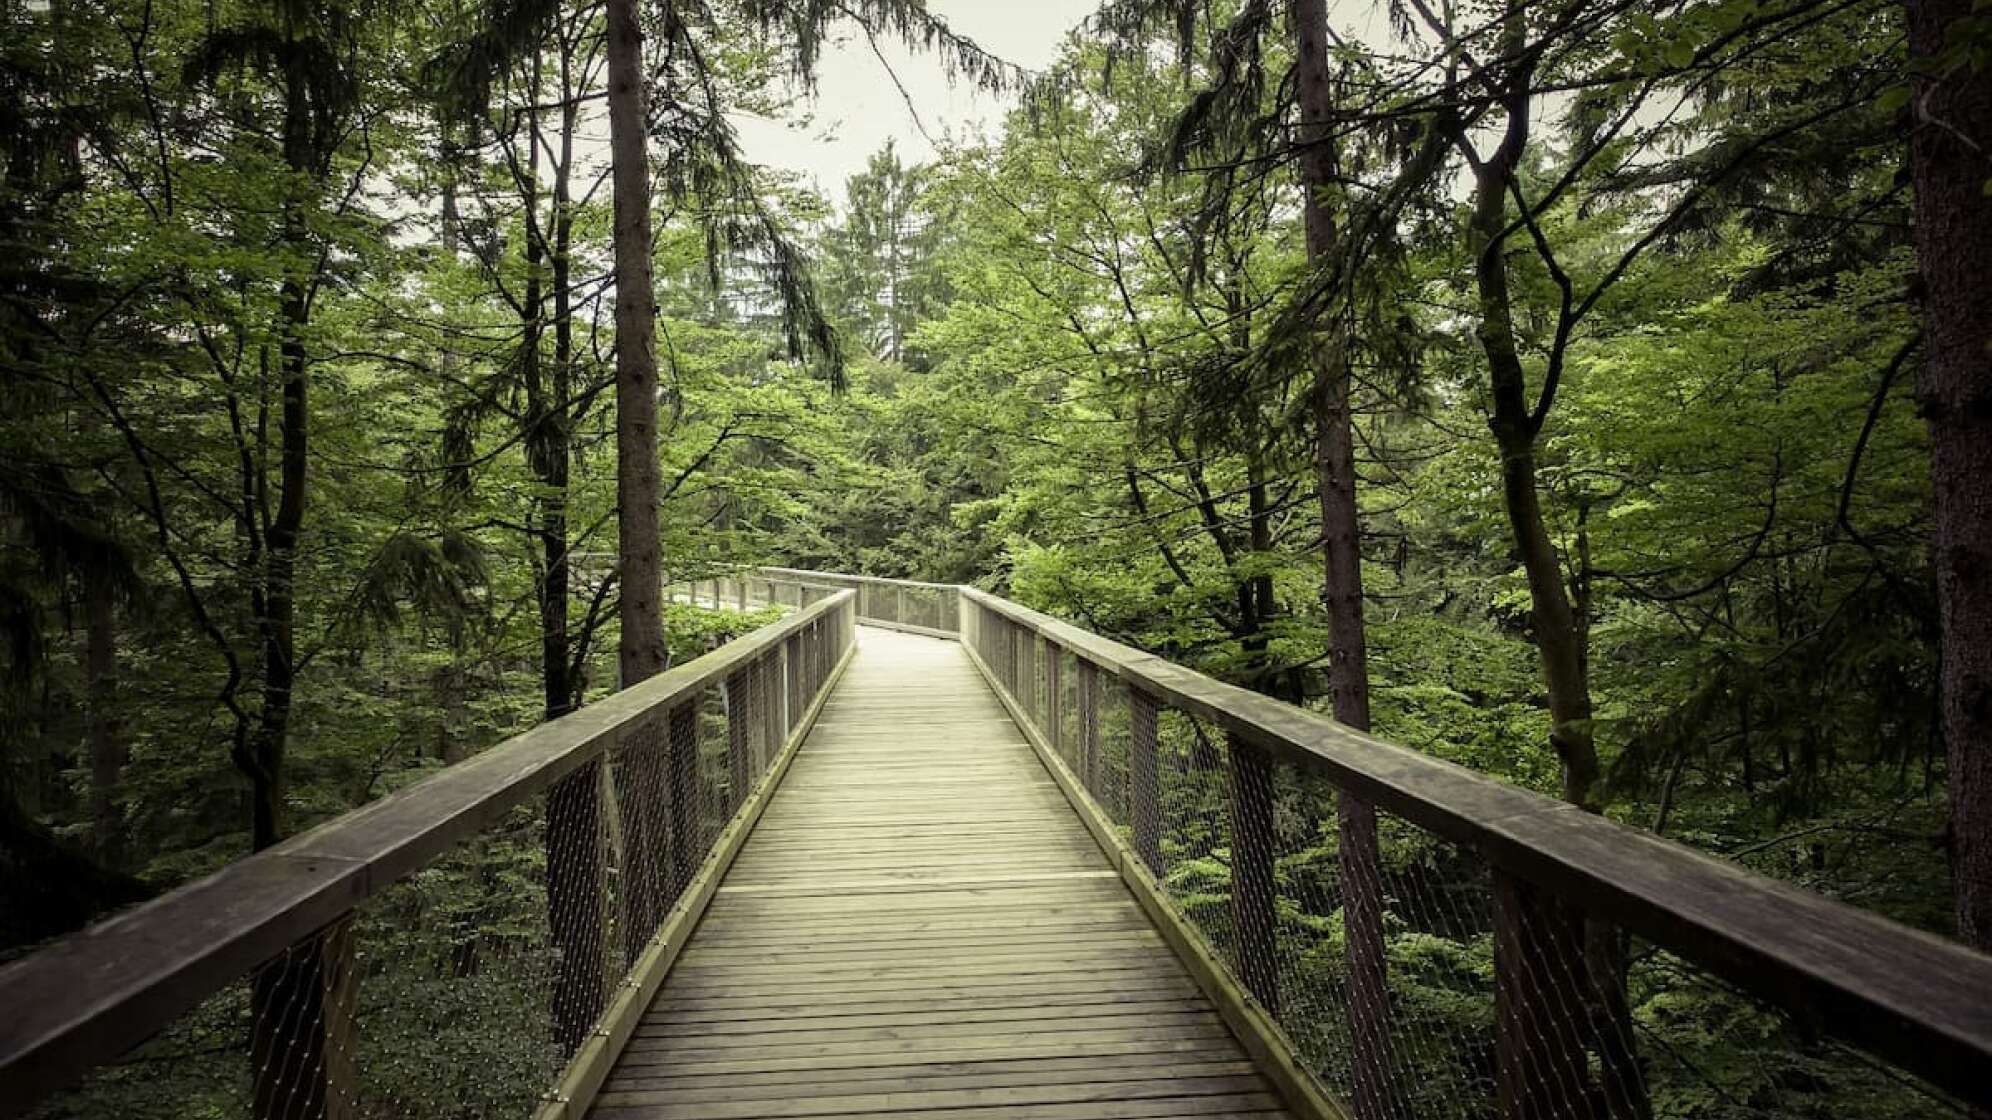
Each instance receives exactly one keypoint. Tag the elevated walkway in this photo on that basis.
(912, 850)
(920, 925)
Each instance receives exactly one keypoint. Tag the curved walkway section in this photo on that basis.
(921, 927)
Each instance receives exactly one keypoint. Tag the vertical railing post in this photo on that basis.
(739, 742)
(682, 798)
(1089, 727)
(1011, 634)
(1361, 872)
(1143, 779)
(1542, 1071)
(774, 715)
(812, 656)
(1027, 686)
(1054, 716)
(574, 902)
(1252, 883)
(740, 592)
(792, 658)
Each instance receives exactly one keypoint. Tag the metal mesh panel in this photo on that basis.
(463, 989)
(1411, 978)
(891, 602)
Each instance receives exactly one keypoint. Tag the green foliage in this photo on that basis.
(1072, 378)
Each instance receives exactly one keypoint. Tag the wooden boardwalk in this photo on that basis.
(921, 927)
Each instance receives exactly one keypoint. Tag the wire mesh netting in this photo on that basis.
(1408, 975)
(923, 606)
(463, 989)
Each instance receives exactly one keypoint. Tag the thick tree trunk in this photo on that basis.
(641, 651)
(1360, 864)
(1951, 149)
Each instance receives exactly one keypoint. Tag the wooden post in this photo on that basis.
(1089, 727)
(1541, 1069)
(739, 740)
(1372, 1094)
(1143, 779)
(792, 658)
(1253, 889)
(1054, 717)
(1027, 687)
(1010, 654)
(774, 714)
(574, 903)
(682, 799)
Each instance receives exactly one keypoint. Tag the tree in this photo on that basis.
(1952, 99)
(639, 569)
(880, 267)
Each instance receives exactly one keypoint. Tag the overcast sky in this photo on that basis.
(858, 107)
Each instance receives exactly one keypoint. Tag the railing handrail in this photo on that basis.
(806, 573)
(1920, 1000)
(89, 997)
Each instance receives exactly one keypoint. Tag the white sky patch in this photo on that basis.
(858, 107)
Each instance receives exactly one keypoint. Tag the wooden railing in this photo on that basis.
(1564, 882)
(636, 804)
(1567, 893)
(900, 604)
(1178, 776)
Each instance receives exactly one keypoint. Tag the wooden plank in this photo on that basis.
(670, 1051)
(666, 1105)
(1227, 1105)
(661, 1062)
(962, 1075)
(744, 1009)
(941, 1016)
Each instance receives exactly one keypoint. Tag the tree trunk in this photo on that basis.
(1597, 953)
(1949, 149)
(641, 651)
(1559, 637)
(1359, 863)
(303, 1042)
(279, 576)
(545, 442)
(108, 752)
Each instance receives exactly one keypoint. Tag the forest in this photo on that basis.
(1593, 393)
